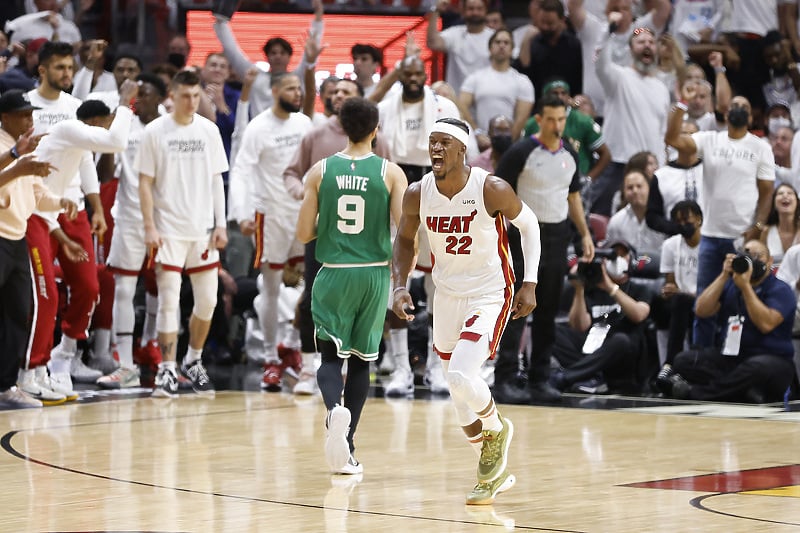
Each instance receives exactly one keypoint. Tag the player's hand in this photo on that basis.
(247, 227)
(524, 301)
(74, 251)
(401, 300)
(219, 238)
(152, 240)
(70, 208)
(98, 223)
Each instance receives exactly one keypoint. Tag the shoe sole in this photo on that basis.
(337, 450)
(509, 482)
(161, 393)
(503, 465)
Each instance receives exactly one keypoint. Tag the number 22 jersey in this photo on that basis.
(469, 247)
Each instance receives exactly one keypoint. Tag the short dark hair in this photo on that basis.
(155, 81)
(92, 108)
(131, 57)
(280, 41)
(455, 122)
(685, 207)
(549, 100)
(374, 51)
(552, 6)
(359, 88)
(359, 118)
(185, 77)
(498, 32)
(54, 48)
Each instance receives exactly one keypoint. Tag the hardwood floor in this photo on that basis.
(252, 461)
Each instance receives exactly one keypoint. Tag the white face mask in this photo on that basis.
(616, 268)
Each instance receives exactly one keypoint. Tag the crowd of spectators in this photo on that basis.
(679, 116)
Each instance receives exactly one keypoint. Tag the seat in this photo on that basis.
(598, 224)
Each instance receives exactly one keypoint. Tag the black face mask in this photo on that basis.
(501, 143)
(178, 60)
(738, 117)
(548, 35)
(687, 230)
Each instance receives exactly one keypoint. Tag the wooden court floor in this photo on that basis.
(251, 461)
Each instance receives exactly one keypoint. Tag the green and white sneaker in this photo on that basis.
(484, 492)
(494, 451)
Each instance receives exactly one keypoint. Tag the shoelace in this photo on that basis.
(491, 449)
(198, 373)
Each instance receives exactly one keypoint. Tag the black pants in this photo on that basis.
(15, 308)
(552, 269)
(681, 318)
(616, 359)
(306, 322)
(720, 377)
(602, 189)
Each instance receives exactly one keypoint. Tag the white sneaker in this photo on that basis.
(434, 378)
(307, 384)
(387, 364)
(29, 385)
(57, 381)
(401, 384)
(14, 397)
(337, 449)
(82, 373)
(121, 378)
(351, 467)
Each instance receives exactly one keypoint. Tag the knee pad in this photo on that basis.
(460, 385)
(204, 288)
(124, 288)
(169, 296)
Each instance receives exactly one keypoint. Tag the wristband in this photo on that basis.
(682, 106)
(14, 153)
(613, 291)
(720, 70)
(401, 288)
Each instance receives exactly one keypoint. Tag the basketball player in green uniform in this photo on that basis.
(348, 200)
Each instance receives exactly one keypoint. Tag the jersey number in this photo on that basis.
(458, 246)
(350, 209)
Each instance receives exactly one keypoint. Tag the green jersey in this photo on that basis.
(584, 134)
(354, 213)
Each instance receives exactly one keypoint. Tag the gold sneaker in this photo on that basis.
(484, 492)
(494, 451)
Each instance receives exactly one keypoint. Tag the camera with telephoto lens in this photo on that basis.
(741, 263)
(591, 273)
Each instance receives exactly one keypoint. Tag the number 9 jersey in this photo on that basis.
(354, 213)
(469, 247)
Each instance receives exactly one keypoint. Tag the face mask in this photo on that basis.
(177, 60)
(501, 143)
(738, 117)
(775, 123)
(547, 35)
(687, 230)
(617, 268)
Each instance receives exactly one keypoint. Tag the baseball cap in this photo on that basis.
(15, 100)
(35, 45)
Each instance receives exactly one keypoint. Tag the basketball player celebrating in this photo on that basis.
(464, 210)
(180, 164)
(353, 192)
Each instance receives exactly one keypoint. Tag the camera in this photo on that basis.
(591, 273)
(741, 263)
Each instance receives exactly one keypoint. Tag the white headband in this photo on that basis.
(456, 132)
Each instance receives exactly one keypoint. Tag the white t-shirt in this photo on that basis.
(689, 17)
(466, 53)
(268, 145)
(496, 93)
(679, 258)
(626, 226)
(184, 160)
(754, 17)
(676, 183)
(789, 272)
(730, 170)
(52, 111)
(36, 26)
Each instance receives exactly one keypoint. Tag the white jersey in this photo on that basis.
(126, 204)
(678, 258)
(268, 146)
(183, 160)
(731, 168)
(469, 247)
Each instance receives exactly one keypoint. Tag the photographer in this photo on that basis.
(605, 333)
(753, 364)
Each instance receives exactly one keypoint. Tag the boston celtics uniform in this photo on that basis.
(348, 300)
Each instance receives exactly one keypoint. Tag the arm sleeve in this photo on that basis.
(88, 172)
(609, 73)
(82, 83)
(111, 140)
(654, 216)
(239, 61)
(219, 202)
(528, 226)
(240, 180)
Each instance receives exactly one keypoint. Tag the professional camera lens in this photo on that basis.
(741, 263)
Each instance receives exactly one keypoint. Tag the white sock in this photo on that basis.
(169, 365)
(102, 341)
(292, 338)
(68, 346)
(491, 418)
(308, 360)
(125, 350)
(398, 341)
(192, 355)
